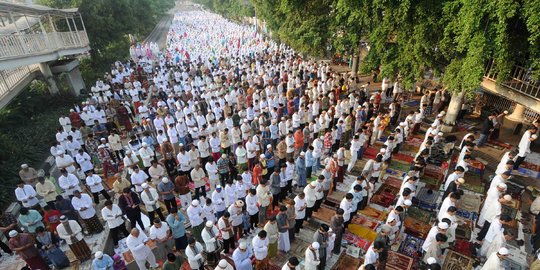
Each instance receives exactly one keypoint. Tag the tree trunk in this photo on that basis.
(354, 67)
(453, 111)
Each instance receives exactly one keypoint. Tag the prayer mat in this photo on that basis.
(456, 261)
(410, 246)
(324, 214)
(398, 261)
(393, 181)
(357, 241)
(499, 144)
(336, 196)
(299, 248)
(419, 214)
(433, 173)
(359, 166)
(509, 210)
(364, 221)
(408, 148)
(403, 158)
(373, 213)
(414, 141)
(346, 262)
(370, 153)
(426, 198)
(463, 231)
(362, 232)
(514, 189)
(416, 228)
(469, 206)
(477, 167)
(463, 247)
(394, 173)
(431, 182)
(400, 166)
(385, 195)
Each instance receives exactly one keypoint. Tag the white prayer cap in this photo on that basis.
(302, 153)
(144, 144)
(534, 136)
(165, 180)
(101, 146)
(461, 180)
(181, 145)
(71, 110)
(403, 124)
(195, 202)
(144, 185)
(313, 183)
(431, 260)
(218, 187)
(242, 245)
(103, 139)
(128, 151)
(315, 245)
(165, 140)
(442, 225)
(239, 203)
(506, 112)
(222, 263)
(407, 202)
(13, 233)
(386, 228)
(434, 132)
(269, 146)
(503, 251)
(59, 152)
(195, 129)
(507, 197)
(98, 255)
(433, 125)
(245, 120)
(209, 223)
(24, 166)
(262, 156)
(382, 150)
(440, 115)
(502, 185)
(440, 134)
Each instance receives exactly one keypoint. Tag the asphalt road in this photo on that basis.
(159, 34)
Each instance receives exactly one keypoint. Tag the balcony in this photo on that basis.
(521, 81)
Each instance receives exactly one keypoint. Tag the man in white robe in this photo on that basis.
(260, 249)
(312, 260)
(494, 262)
(242, 257)
(137, 244)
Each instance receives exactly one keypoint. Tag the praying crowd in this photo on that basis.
(226, 148)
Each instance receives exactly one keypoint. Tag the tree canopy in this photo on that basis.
(453, 38)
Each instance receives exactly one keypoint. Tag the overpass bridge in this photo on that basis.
(32, 40)
(520, 91)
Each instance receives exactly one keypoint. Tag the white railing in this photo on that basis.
(12, 46)
(11, 77)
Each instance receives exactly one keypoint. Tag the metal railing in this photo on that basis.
(17, 45)
(521, 80)
(501, 103)
(11, 77)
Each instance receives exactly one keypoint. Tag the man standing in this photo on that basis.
(195, 215)
(113, 215)
(487, 127)
(383, 237)
(27, 195)
(166, 190)
(71, 232)
(310, 192)
(337, 225)
(284, 243)
(24, 245)
(102, 261)
(68, 182)
(210, 235)
(260, 249)
(47, 190)
(161, 235)
(138, 177)
(263, 198)
(193, 253)
(312, 260)
(82, 202)
(242, 257)
(176, 222)
(227, 232)
(150, 198)
(137, 244)
(129, 203)
(524, 146)
(321, 237)
(236, 218)
(95, 184)
(28, 174)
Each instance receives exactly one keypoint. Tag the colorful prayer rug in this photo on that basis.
(403, 158)
(393, 181)
(373, 213)
(398, 261)
(362, 232)
(346, 262)
(356, 240)
(416, 228)
(385, 195)
(463, 247)
(400, 166)
(426, 198)
(365, 222)
(324, 214)
(419, 214)
(410, 246)
(456, 261)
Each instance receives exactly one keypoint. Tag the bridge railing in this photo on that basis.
(521, 80)
(9, 78)
(18, 45)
